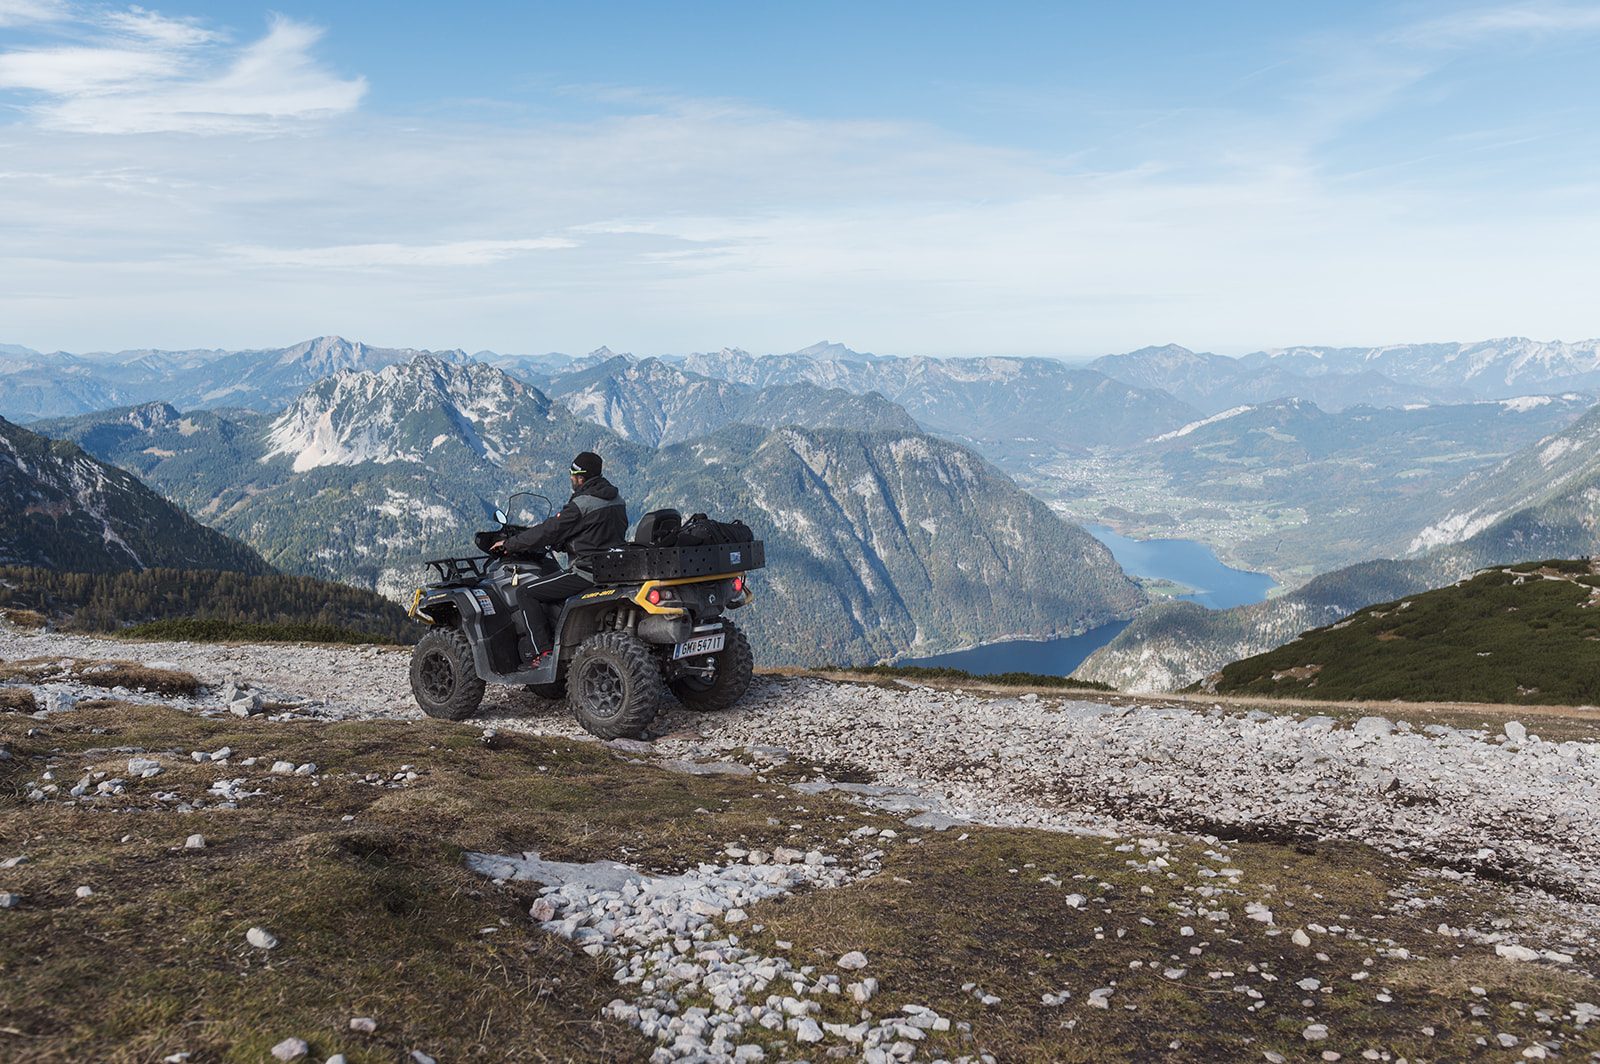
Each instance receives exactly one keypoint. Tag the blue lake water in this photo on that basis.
(1183, 561)
(1194, 565)
(1046, 657)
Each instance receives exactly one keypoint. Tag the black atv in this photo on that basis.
(639, 617)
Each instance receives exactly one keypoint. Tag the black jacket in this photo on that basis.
(593, 520)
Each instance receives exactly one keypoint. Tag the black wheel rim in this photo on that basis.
(604, 689)
(437, 675)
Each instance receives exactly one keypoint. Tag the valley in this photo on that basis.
(1127, 495)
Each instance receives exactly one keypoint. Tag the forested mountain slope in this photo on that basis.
(881, 543)
(1559, 476)
(62, 509)
(1521, 634)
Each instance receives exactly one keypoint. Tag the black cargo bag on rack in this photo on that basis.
(702, 531)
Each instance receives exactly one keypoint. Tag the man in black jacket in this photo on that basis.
(594, 519)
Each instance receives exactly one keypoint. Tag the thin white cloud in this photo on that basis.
(1469, 27)
(359, 256)
(23, 12)
(81, 72)
(141, 73)
(158, 29)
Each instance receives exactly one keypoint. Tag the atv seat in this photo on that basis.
(656, 526)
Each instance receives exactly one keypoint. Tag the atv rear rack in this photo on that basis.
(629, 563)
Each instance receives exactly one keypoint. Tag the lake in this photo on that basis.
(1182, 561)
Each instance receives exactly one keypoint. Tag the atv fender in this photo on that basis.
(469, 611)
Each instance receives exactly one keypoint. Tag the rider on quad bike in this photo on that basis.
(610, 633)
(594, 519)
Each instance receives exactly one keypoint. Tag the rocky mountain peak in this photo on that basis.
(327, 355)
(149, 416)
(407, 411)
(827, 351)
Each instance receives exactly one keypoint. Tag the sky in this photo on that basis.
(1062, 179)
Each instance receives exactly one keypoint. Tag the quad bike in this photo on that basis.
(637, 618)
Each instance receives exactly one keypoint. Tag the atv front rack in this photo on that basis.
(457, 568)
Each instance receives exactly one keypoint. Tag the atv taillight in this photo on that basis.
(738, 585)
(654, 596)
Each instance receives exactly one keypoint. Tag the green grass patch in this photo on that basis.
(1518, 635)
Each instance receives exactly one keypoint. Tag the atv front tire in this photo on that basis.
(614, 685)
(734, 664)
(443, 679)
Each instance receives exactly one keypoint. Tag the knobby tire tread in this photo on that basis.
(465, 693)
(735, 665)
(640, 674)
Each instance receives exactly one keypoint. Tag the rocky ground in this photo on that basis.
(1463, 804)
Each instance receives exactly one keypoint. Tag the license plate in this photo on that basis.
(706, 644)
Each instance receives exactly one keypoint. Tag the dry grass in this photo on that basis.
(949, 912)
(17, 700)
(107, 674)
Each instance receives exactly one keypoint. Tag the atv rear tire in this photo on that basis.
(734, 664)
(614, 686)
(443, 679)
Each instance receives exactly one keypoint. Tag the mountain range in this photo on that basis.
(655, 403)
(1336, 378)
(35, 386)
(977, 400)
(1490, 369)
(882, 542)
(351, 462)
